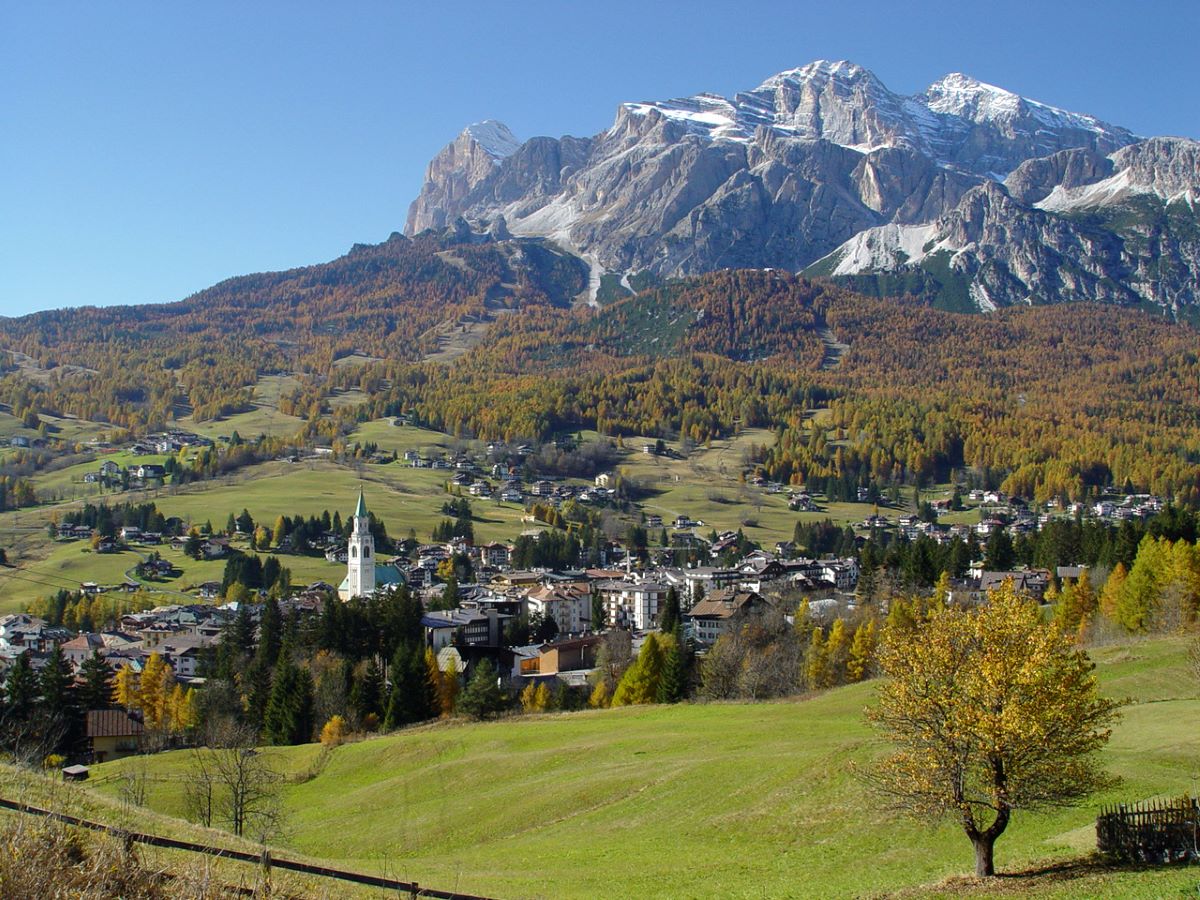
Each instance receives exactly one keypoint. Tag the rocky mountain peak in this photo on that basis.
(493, 137)
(783, 174)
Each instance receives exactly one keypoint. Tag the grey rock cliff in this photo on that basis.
(824, 165)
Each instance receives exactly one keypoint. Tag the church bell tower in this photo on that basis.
(361, 553)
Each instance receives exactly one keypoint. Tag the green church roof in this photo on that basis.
(361, 509)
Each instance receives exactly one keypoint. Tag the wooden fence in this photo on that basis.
(1156, 831)
(264, 859)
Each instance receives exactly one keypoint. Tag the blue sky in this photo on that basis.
(151, 149)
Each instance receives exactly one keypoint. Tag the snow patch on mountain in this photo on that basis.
(961, 95)
(980, 297)
(494, 137)
(886, 248)
(1101, 193)
(709, 115)
(553, 221)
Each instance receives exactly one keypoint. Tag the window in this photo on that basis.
(366, 552)
(353, 552)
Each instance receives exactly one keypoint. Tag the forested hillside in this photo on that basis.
(1052, 401)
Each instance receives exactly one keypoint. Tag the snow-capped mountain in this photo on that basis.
(805, 165)
(1076, 225)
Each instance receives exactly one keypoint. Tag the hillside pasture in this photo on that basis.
(726, 799)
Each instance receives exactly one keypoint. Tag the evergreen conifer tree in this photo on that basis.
(482, 697)
(669, 619)
(21, 688)
(289, 715)
(366, 696)
(408, 700)
(672, 685)
(96, 689)
(54, 685)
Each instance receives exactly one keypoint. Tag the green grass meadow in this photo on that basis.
(702, 800)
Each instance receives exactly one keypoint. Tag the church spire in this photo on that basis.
(360, 511)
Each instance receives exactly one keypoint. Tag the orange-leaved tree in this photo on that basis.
(991, 710)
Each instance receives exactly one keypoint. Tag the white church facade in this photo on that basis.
(364, 573)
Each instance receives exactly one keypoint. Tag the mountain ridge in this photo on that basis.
(816, 158)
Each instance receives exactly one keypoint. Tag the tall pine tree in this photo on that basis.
(96, 686)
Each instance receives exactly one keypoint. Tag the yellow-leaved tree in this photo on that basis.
(125, 687)
(992, 710)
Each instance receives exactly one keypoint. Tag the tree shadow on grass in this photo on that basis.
(1037, 878)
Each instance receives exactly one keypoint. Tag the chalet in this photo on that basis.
(183, 654)
(542, 488)
(1072, 572)
(842, 572)
(113, 733)
(571, 655)
(511, 495)
(712, 616)
(149, 471)
(495, 554)
(603, 480)
(636, 605)
(77, 650)
(215, 548)
(654, 521)
(724, 541)
(459, 627)
(1026, 581)
(20, 632)
(703, 580)
(801, 503)
(757, 573)
(518, 579)
(570, 605)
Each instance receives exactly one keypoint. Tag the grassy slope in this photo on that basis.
(698, 800)
(51, 793)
